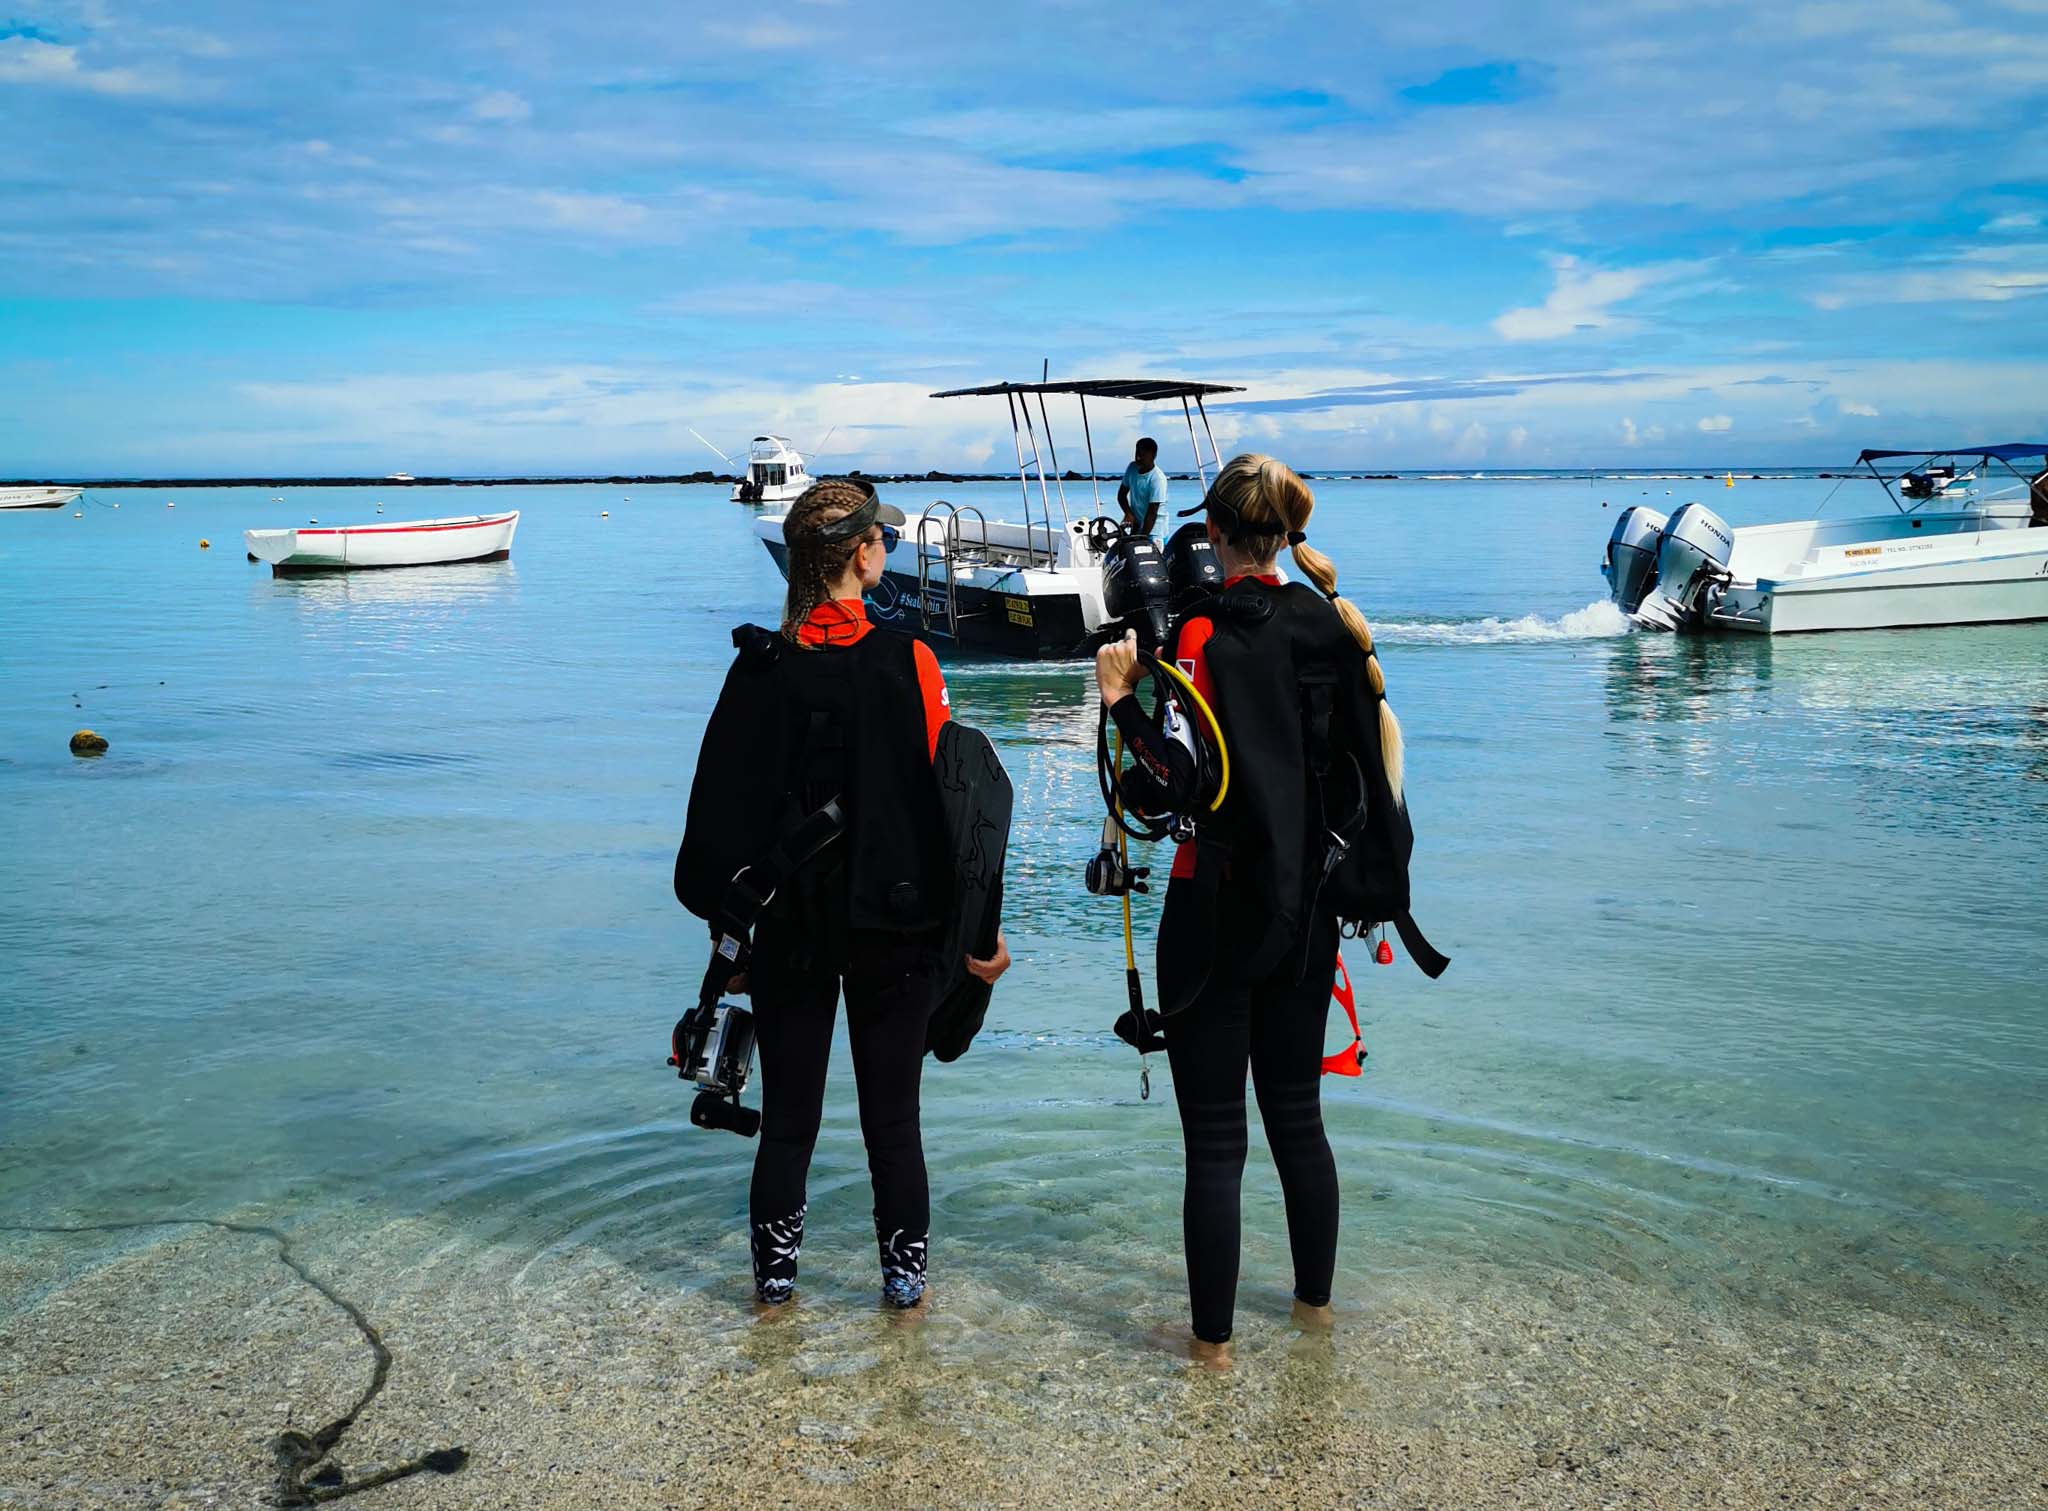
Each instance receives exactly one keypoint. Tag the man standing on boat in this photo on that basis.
(1142, 493)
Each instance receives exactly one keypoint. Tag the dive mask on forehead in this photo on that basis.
(1235, 528)
(853, 525)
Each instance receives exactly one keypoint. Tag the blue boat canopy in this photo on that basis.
(2006, 453)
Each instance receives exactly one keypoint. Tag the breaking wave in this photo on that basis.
(1598, 620)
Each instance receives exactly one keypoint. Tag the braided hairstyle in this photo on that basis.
(1268, 496)
(815, 566)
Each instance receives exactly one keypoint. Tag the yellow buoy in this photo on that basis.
(205, 545)
(1731, 481)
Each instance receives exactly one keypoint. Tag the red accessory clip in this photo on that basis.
(1384, 954)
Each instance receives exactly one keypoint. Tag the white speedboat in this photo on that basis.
(410, 543)
(1034, 586)
(38, 498)
(1948, 553)
(775, 473)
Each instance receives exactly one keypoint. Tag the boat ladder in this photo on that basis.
(949, 553)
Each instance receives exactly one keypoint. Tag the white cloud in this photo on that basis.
(1581, 300)
(501, 105)
(1715, 422)
(29, 60)
(2019, 221)
(1864, 410)
(764, 35)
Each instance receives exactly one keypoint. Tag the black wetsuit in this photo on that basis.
(1259, 996)
(855, 718)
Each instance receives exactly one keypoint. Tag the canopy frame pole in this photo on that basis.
(1201, 467)
(1044, 497)
(1066, 524)
(1215, 455)
(1093, 481)
(1023, 480)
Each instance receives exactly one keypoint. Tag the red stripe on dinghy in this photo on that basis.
(479, 524)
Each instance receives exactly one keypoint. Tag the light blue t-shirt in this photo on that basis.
(1147, 488)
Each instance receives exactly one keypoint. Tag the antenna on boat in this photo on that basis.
(819, 449)
(720, 454)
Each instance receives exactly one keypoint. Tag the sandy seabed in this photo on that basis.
(159, 1377)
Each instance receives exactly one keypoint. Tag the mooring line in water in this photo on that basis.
(299, 1454)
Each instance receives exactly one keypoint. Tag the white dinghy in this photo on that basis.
(410, 543)
(37, 498)
(1948, 554)
(1032, 587)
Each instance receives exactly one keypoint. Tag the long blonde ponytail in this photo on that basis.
(1266, 495)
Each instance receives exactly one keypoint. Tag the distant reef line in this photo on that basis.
(1415, 474)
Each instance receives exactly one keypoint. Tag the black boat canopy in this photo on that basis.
(1144, 390)
(2006, 453)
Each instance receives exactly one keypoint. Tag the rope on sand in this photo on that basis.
(300, 1480)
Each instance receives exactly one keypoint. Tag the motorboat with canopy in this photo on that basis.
(1030, 587)
(1962, 546)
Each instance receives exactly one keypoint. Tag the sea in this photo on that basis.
(364, 923)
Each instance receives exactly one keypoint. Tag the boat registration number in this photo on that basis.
(1019, 610)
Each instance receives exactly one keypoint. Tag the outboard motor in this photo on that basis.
(1631, 565)
(1191, 565)
(1135, 590)
(1692, 570)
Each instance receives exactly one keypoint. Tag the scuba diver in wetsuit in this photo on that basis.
(831, 710)
(1249, 933)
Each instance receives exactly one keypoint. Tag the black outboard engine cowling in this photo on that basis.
(1136, 592)
(1693, 550)
(1192, 567)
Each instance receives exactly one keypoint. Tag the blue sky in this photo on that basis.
(481, 239)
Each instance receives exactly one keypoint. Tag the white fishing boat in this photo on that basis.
(1033, 586)
(410, 543)
(775, 471)
(38, 498)
(1948, 553)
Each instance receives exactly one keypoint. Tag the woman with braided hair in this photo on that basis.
(1248, 936)
(830, 710)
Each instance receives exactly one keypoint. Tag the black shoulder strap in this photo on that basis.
(756, 884)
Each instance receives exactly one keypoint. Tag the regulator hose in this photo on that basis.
(1212, 754)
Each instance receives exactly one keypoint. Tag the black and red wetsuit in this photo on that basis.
(1271, 1021)
(859, 920)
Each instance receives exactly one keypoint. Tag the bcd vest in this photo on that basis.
(793, 729)
(1301, 721)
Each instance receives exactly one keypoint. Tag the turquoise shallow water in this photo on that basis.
(367, 912)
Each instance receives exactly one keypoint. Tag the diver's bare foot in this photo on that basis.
(1314, 1319)
(766, 1311)
(1212, 1356)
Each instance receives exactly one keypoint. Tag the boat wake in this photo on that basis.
(1599, 620)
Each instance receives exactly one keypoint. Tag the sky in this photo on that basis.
(492, 238)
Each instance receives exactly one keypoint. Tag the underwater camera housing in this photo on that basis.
(713, 1045)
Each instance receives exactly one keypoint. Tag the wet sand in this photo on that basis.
(159, 1376)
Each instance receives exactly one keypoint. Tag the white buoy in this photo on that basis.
(312, 521)
(117, 506)
(169, 504)
(78, 514)
(604, 514)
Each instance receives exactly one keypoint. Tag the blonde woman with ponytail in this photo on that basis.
(830, 709)
(1248, 936)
